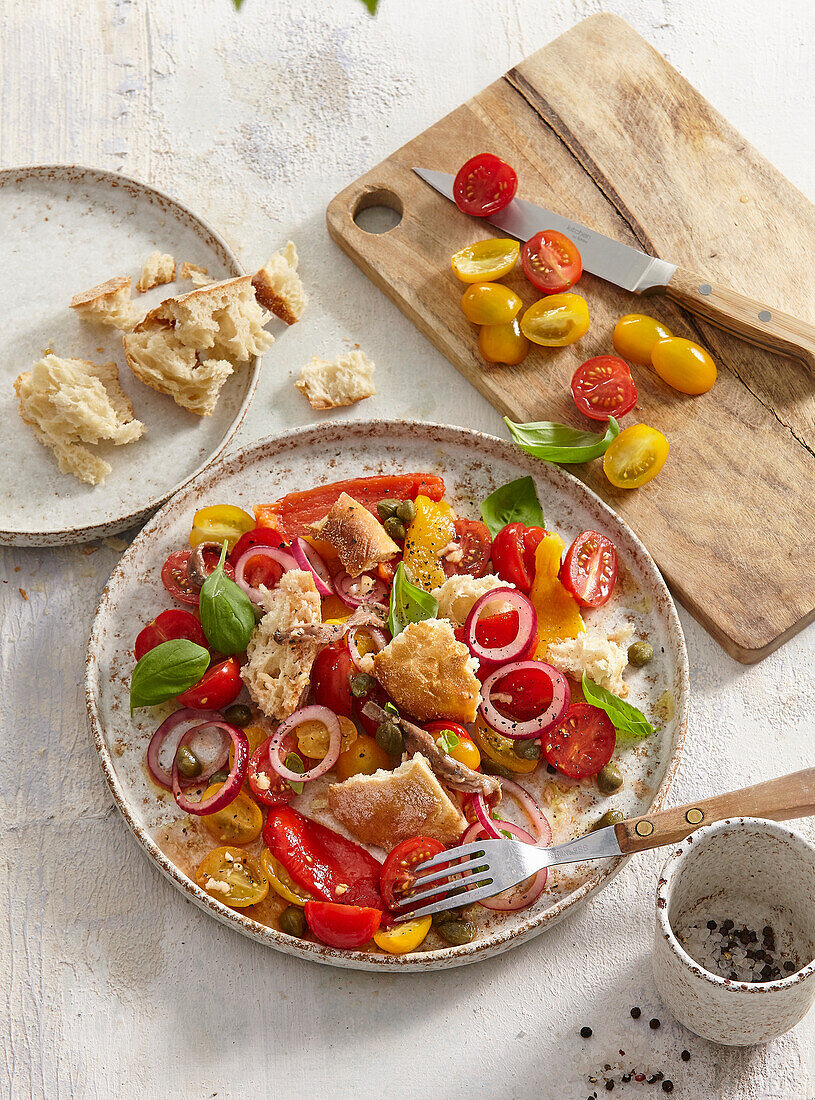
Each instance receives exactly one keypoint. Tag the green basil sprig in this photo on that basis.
(294, 763)
(447, 741)
(408, 603)
(559, 443)
(515, 502)
(628, 721)
(226, 612)
(166, 671)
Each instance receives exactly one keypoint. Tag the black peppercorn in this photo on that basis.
(653, 1024)
(636, 1013)
(685, 1055)
(586, 1032)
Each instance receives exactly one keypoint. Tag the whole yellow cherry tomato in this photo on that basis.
(486, 260)
(401, 938)
(490, 304)
(233, 877)
(498, 748)
(635, 457)
(313, 737)
(281, 882)
(683, 365)
(219, 522)
(557, 320)
(364, 757)
(503, 343)
(238, 823)
(635, 335)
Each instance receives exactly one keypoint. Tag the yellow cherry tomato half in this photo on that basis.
(401, 938)
(219, 522)
(313, 737)
(233, 877)
(635, 457)
(490, 304)
(466, 752)
(503, 343)
(635, 335)
(281, 882)
(557, 320)
(238, 823)
(364, 757)
(498, 748)
(683, 365)
(486, 260)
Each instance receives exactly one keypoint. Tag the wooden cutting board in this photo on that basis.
(602, 129)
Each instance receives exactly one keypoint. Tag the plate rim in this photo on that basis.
(67, 536)
(417, 962)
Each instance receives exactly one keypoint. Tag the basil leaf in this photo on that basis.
(391, 709)
(515, 502)
(371, 5)
(628, 721)
(447, 741)
(226, 612)
(166, 671)
(295, 764)
(408, 603)
(560, 443)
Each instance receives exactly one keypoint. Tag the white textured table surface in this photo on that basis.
(113, 985)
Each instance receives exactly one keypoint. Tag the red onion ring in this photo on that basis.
(525, 731)
(537, 882)
(308, 559)
(283, 559)
(482, 812)
(540, 822)
(307, 714)
(377, 637)
(231, 785)
(527, 627)
(187, 714)
(343, 583)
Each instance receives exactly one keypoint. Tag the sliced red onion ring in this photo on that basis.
(540, 822)
(307, 714)
(231, 785)
(283, 559)
(527, 627)
(377, 637)
(308, 559)
(526, 893)
(524, 731)
(482, 812)
(186, 715)
(344, 585)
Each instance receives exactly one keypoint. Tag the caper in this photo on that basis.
(387, 508)
(395, 528)
(640, 653)
(464, 913)
(456, 932)
(361, 684)
(491, 767)
(238, 715)
(406, 512)
(610, 817)
(188, 763)
(609, 779)
(389, 737)
(219, 777)
(527, 750)
(292, 921)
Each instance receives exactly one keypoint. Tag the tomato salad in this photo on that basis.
(502, 595)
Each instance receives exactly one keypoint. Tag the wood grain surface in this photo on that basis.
(601, 128)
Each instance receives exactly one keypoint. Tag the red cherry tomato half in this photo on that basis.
(474, 543)
(495, 632)
(589, 570)
(397, 870)
(219, 686)
(603, 387)
(342, 925)
(484, 185)
(331, 678)
(260, 771)
(174, 573)
(167, 626)
(582, 744)
(524, 694)
(551, 262)
(259, 536)
(513, 554)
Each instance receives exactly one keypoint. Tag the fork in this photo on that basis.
(489, 867)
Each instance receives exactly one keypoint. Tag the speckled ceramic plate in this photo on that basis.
(472, 465)
(65, 229)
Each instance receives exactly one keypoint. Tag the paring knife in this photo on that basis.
(633, 270)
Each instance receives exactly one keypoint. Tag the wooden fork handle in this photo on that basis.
(779, 799)
(743, 317)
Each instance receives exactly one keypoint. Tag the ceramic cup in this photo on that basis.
(754, 872)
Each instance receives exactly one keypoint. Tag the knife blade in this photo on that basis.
(617, 263)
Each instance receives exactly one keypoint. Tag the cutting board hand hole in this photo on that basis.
(378, 210)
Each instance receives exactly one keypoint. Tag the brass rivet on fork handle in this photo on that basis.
(694, 816)
(643, 828)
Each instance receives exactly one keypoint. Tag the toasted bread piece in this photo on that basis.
(159, 359)
(359, 539)
(277, 673)
(459, 592)
(331, 385)
(603, 657)
(278, 287)
(159, 268)
(222, 316)
(198, 276)
(428, 673)
(108, 304)
(68, 402)
(388, 807)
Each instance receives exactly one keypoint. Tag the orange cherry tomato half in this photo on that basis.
(635, 457)
(551, 262)
(603, 387)
(484, 185)
(556, 321)
(466, 751)
(635, 335)
(503, 343)
(582, 744)
(589, 570)
(345, 926)
(683, 365)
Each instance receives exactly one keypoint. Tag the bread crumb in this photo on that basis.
(108, 304)
(159, 268)
(278, 287)
(198, 276)
(333, 385)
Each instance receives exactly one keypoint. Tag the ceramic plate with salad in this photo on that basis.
(349, 648)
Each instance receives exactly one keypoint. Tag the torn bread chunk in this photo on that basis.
(71, 402)
(386, 808)
(277, 673)
(603, 657)
(159, 268)
(159, 359)
(278, 287)
(198, 276)
(429, 673)
(332, 385)
(224, 317)
(459, 592)
(358, 537)
(108, 304)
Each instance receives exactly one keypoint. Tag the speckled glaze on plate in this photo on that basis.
(65, 229)
(472, 465)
